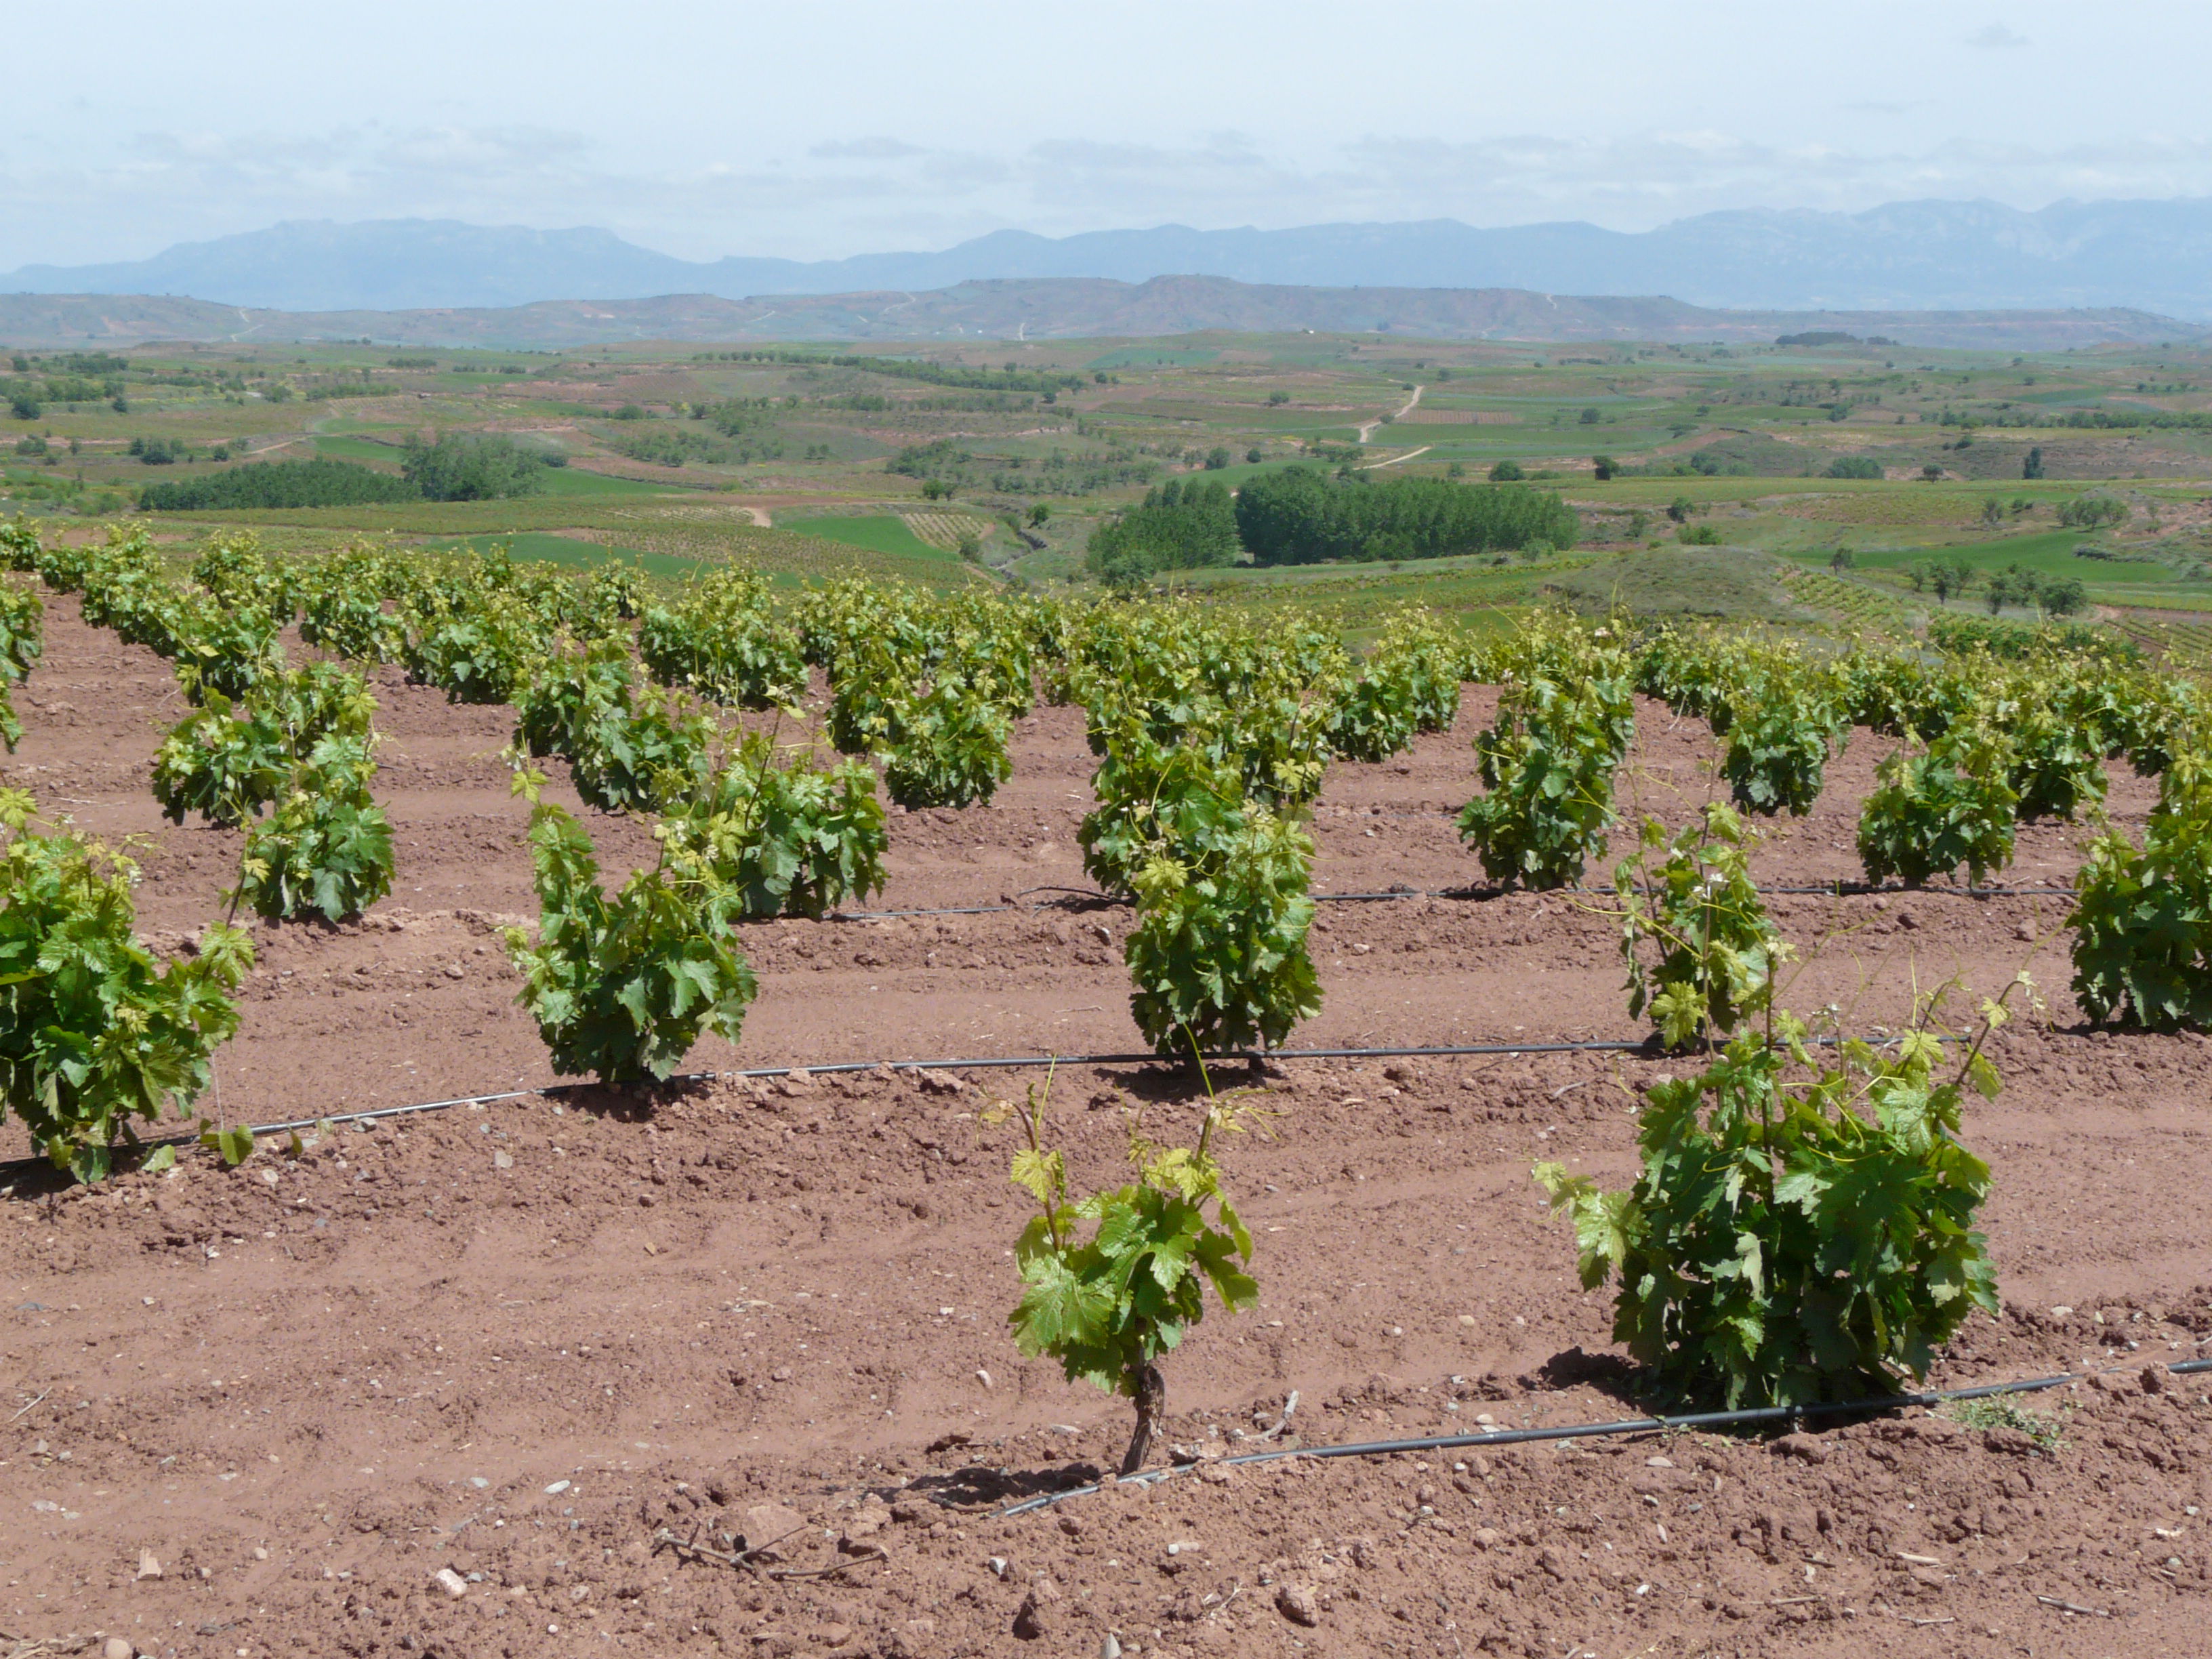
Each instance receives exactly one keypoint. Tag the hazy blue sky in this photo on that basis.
(814, 130)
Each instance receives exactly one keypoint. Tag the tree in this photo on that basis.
(25, 407)
(1254, 455)
(1605, 467)
(1216, 458)
(1177, 526)
(1841, 560)
(1950, 576)
(1680, 508)
(1040, 515)
(1590, 417)
(1275, 399)
(1931, 471)
(1507, 472)
(1993, 511)
(470, 467)
(2063, 596)
(936, 489)
(2032, 466)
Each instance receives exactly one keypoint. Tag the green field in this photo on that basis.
(879, 533)
(1733, 441)
(575, 481)
(357, 449)
(538, 547)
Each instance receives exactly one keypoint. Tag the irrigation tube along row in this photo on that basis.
(1077, 896)
(1742, 1419)
(982, 1063)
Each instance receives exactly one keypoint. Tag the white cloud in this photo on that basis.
(1995, 37)
(864, 149)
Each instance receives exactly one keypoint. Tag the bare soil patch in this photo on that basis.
(517, 1343)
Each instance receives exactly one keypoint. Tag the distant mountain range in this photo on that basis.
(1976, 256)
(1048, 308)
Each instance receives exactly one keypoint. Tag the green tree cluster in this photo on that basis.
(471, 467)
(1299, 516)
(1177, 526)
(278, 484)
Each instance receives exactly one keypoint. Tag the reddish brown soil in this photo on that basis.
(286, 1382)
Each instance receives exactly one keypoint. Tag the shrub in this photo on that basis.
(232, 649)
(1776, 756)
(944, 746)
(1108, 1306)
(475, 654)
(2142, 920)
(795, 840)
(1800, 1231)
(224, 762)
(1948, 805)
(1150, 794)
(1717, 950)
(622, 988)
(1219, 953)
(566, 693)
(723, 643)
(642, 758)
(1547, 765)
(327, 847)
(93, 1034)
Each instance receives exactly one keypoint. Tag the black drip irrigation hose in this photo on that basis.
(1591, 1430)
(982, 1063)
(1083, 897)
(848, 1067)
(988, 1063)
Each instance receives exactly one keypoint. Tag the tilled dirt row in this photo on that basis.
(518, 1344)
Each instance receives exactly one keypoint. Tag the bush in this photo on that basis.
(1781, 732)
(225, 762)
(477, 653)
(795, 840)
(1781, 1248)
(1108, 1306)
(2142, 920)
(722, 642)
(1717, 949)
(646, 757)
(2093, 512)
(326, 849)
(1547, 765)
(622, 988)
(1219, 953)
(233, 649)
(1854, 466)
(93, 1035)
(1948, 805)
(945, 746)
(1410, 684)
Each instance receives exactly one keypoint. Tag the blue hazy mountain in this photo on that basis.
(2155, 255)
